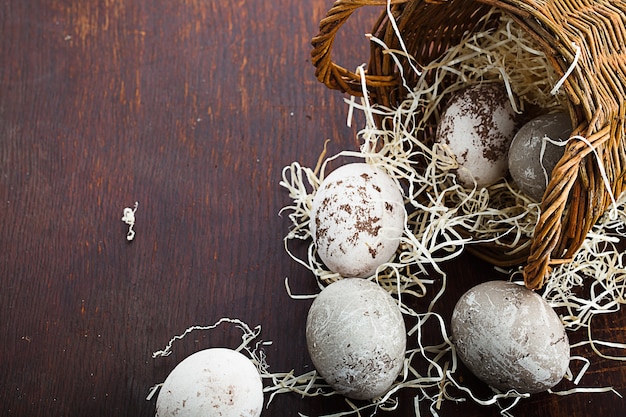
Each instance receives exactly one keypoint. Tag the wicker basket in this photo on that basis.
(595, 92)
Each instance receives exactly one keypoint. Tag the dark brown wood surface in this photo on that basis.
(191, 108)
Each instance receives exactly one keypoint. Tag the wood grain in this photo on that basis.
(191, 108)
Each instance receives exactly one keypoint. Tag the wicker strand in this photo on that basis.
(555, 202)
(328, 72)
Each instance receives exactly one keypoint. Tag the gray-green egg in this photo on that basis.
(510, 337)
(356, 338)
(529, 167)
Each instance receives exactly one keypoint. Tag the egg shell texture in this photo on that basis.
(356, 338)
(357, 219)
(478, 125)
(510, 338)
(215, 382)
(526, 163)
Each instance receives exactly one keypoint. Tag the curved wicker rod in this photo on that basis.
(494, 256)
(556, 197)
(328, 72)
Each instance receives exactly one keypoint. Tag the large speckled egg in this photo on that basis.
(478, 125)
(510, 338)
(357, 219)
(356, 338)
(216, 382)
(530, 169)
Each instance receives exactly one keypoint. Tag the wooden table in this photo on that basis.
(190, 108)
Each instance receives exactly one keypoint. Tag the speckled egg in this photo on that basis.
(357, 219)
(356, 338)
(530, 169)
(478, 125)
(215, 382)
(510, 338)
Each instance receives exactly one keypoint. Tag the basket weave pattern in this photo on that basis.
(588, 33)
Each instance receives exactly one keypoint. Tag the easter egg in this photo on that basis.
(215, 382)
(532, 158)
(356, 338)
(357, 219)
(478, 125)
(510, 338)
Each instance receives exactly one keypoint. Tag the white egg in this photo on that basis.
(357, 219)
(211, 383)
(529, 168)
(478, 125)
(356, 338)
(510, 338)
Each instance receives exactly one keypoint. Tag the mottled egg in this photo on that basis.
(478, 125)
(510, 338)
(356, 338)
(357, 219)
(210, 383)
(529, 168)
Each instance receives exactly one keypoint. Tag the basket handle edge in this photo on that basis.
(328, 72)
